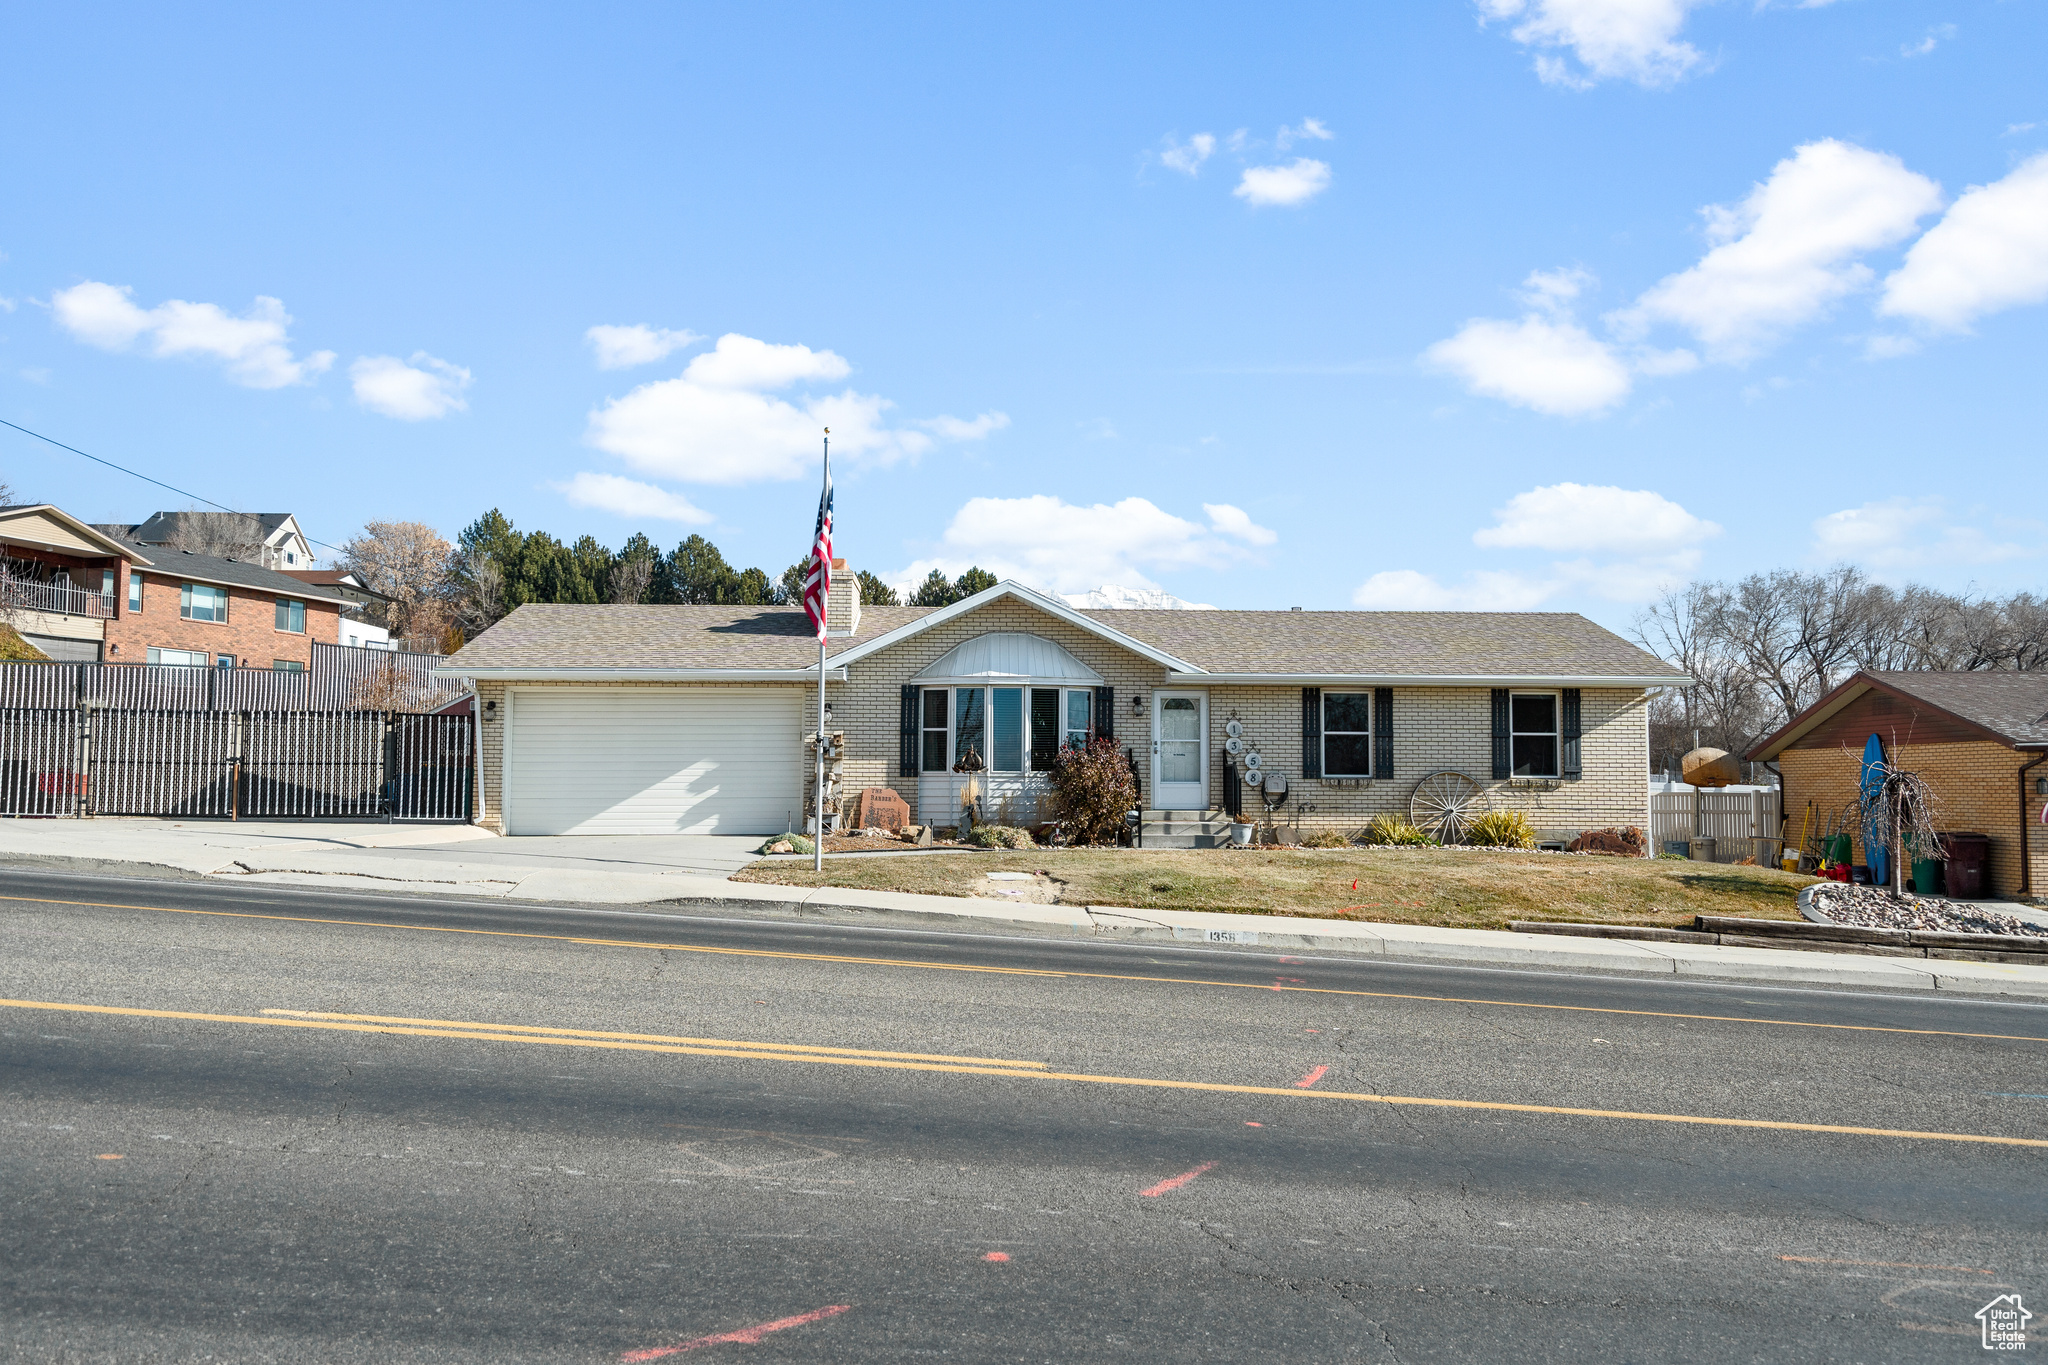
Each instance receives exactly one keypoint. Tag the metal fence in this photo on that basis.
(1739, 823)
(236, 764)
(342, 677)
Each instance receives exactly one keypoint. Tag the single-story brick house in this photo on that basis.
(1977, 737)
(669, 719)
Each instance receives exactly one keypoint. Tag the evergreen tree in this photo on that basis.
(973, 581)
(789, 589)
(935, 591)
(875, 593)
(751, 588)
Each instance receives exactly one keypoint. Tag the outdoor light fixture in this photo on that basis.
(828, 713)
(1137, 704)
(490, 710)
(2041, 786)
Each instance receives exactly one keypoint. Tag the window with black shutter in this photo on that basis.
(936, 759)
(1105, 713)
(1347, 735)
(1503, 749)
(1568, 734)
(906, 741)
(1045, 728)
(1532, 724)
(1311, 732)
(1383, 733)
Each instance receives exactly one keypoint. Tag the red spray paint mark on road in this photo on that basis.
(1306, 1081)
(1175, 1182)
(1251, 1124)
(997, 1256)
(745, 1335)
(1280, 983)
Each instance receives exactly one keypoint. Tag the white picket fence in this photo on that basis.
(1734, 820)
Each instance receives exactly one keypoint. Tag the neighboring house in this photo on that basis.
(186, 608)
(354, 630)
(70, 579)
(1973, 735)
(284, 546)
(663, 719)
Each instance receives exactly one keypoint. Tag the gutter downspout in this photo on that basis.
(2026, 857)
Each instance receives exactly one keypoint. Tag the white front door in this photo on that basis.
(1180, 751)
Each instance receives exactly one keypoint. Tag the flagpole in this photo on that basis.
(824, 607)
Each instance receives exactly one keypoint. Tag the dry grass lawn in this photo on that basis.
(1452, 887)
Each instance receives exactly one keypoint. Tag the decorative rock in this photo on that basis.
(921, 835)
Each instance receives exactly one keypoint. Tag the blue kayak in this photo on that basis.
(1877, 849)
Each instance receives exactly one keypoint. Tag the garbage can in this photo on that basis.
(1702, 849)
(1678, 848)
(1926, 868)
(1968, 874)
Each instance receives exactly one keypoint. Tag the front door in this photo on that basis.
(1180, 743)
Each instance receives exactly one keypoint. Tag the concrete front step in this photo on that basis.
(1184, 829)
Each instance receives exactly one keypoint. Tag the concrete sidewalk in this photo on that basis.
(690, 873)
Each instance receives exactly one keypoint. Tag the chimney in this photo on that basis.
(842, 606)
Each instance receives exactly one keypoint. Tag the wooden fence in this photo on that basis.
(1736, 821)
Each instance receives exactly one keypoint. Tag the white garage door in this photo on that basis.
(687, 760)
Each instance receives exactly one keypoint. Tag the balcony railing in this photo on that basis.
(57, 597)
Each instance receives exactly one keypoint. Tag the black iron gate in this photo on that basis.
(290, 765)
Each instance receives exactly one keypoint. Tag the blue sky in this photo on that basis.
(1521, 303)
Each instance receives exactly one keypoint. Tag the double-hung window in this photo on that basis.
(935, 760)
(1532, 725)
(1080, 719)
(969, 717)
(198, 602)
(291, 616)
(1347, 734)
(134, 591)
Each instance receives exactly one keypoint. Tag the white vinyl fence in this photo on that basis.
(1734, 820)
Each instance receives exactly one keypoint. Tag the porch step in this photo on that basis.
(1184, 829)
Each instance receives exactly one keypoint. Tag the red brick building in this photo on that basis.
(186, 608)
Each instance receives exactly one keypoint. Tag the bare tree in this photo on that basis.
(481, 600)
(224, 535)
(629, 579)
(407, 562)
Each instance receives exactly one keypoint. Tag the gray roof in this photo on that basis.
(1310, 643)
(233, 573)
(2012, 705)
(161, 527)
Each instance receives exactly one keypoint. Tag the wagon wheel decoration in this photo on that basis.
(1445, 804)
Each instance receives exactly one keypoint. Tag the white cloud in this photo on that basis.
(1187, 157)
(1935, 36)
(716, 423)
(1411, 590)
(630, 498)
(1236, 522)
(1299, 181)
(1308, 130)
(254, 347)
(1635, 40)
(417, 391)
(1574, 518)
(1551, 365)
(1059, 547)
(2015, 129)
(620, 348)
(1888, 347)
(1896, 535)
(6, 304)
(1787, 252)
(1989, 252)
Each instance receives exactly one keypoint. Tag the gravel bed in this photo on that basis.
(1871, 908)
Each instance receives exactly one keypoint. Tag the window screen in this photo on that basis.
(1347, 734)
(935, 730)
(1007, 724)
(1045, 728)
(967, 717)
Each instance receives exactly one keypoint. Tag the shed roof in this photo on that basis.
(2011, 708)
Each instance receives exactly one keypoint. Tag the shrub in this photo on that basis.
(1622, 841)
(1501, 829)
(797, 844)
(999, 836)
(1327, 838)
(1394, 830)
(1092, 788)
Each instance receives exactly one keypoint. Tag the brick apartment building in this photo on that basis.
(187, 608)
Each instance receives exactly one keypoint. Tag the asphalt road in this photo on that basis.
(256, 1124)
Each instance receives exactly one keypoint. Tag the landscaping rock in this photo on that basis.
(1874, 908)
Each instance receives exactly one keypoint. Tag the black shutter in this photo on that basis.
(1045, 728)
(1383, 733)
(1105, 713)
(1311, 732)
(1568, 736)
(1503, 747)
(907, 737)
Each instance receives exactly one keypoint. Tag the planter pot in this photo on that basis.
(1241, 834)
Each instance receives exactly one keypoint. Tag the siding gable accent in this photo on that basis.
(1568, 764)
(907, 734)
(1503, 747)
(1311, 732)
(1382, 733)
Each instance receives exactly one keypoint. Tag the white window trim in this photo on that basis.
(185, 611)
(205, 659)
(1365, 692)
(1027, 685)
(1555, 732)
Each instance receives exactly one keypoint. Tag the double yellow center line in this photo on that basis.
(818, 1054)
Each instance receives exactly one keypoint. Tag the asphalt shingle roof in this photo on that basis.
(1420, 644)
(2014, 705)
(168, 563)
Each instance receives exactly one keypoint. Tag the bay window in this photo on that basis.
(1012, 729)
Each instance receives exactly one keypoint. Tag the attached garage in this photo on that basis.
(653, 760)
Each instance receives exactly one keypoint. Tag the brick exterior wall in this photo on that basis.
(1435, 728)
(250, 633)
(1976, 780)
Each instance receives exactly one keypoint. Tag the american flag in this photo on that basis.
(818, 573)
